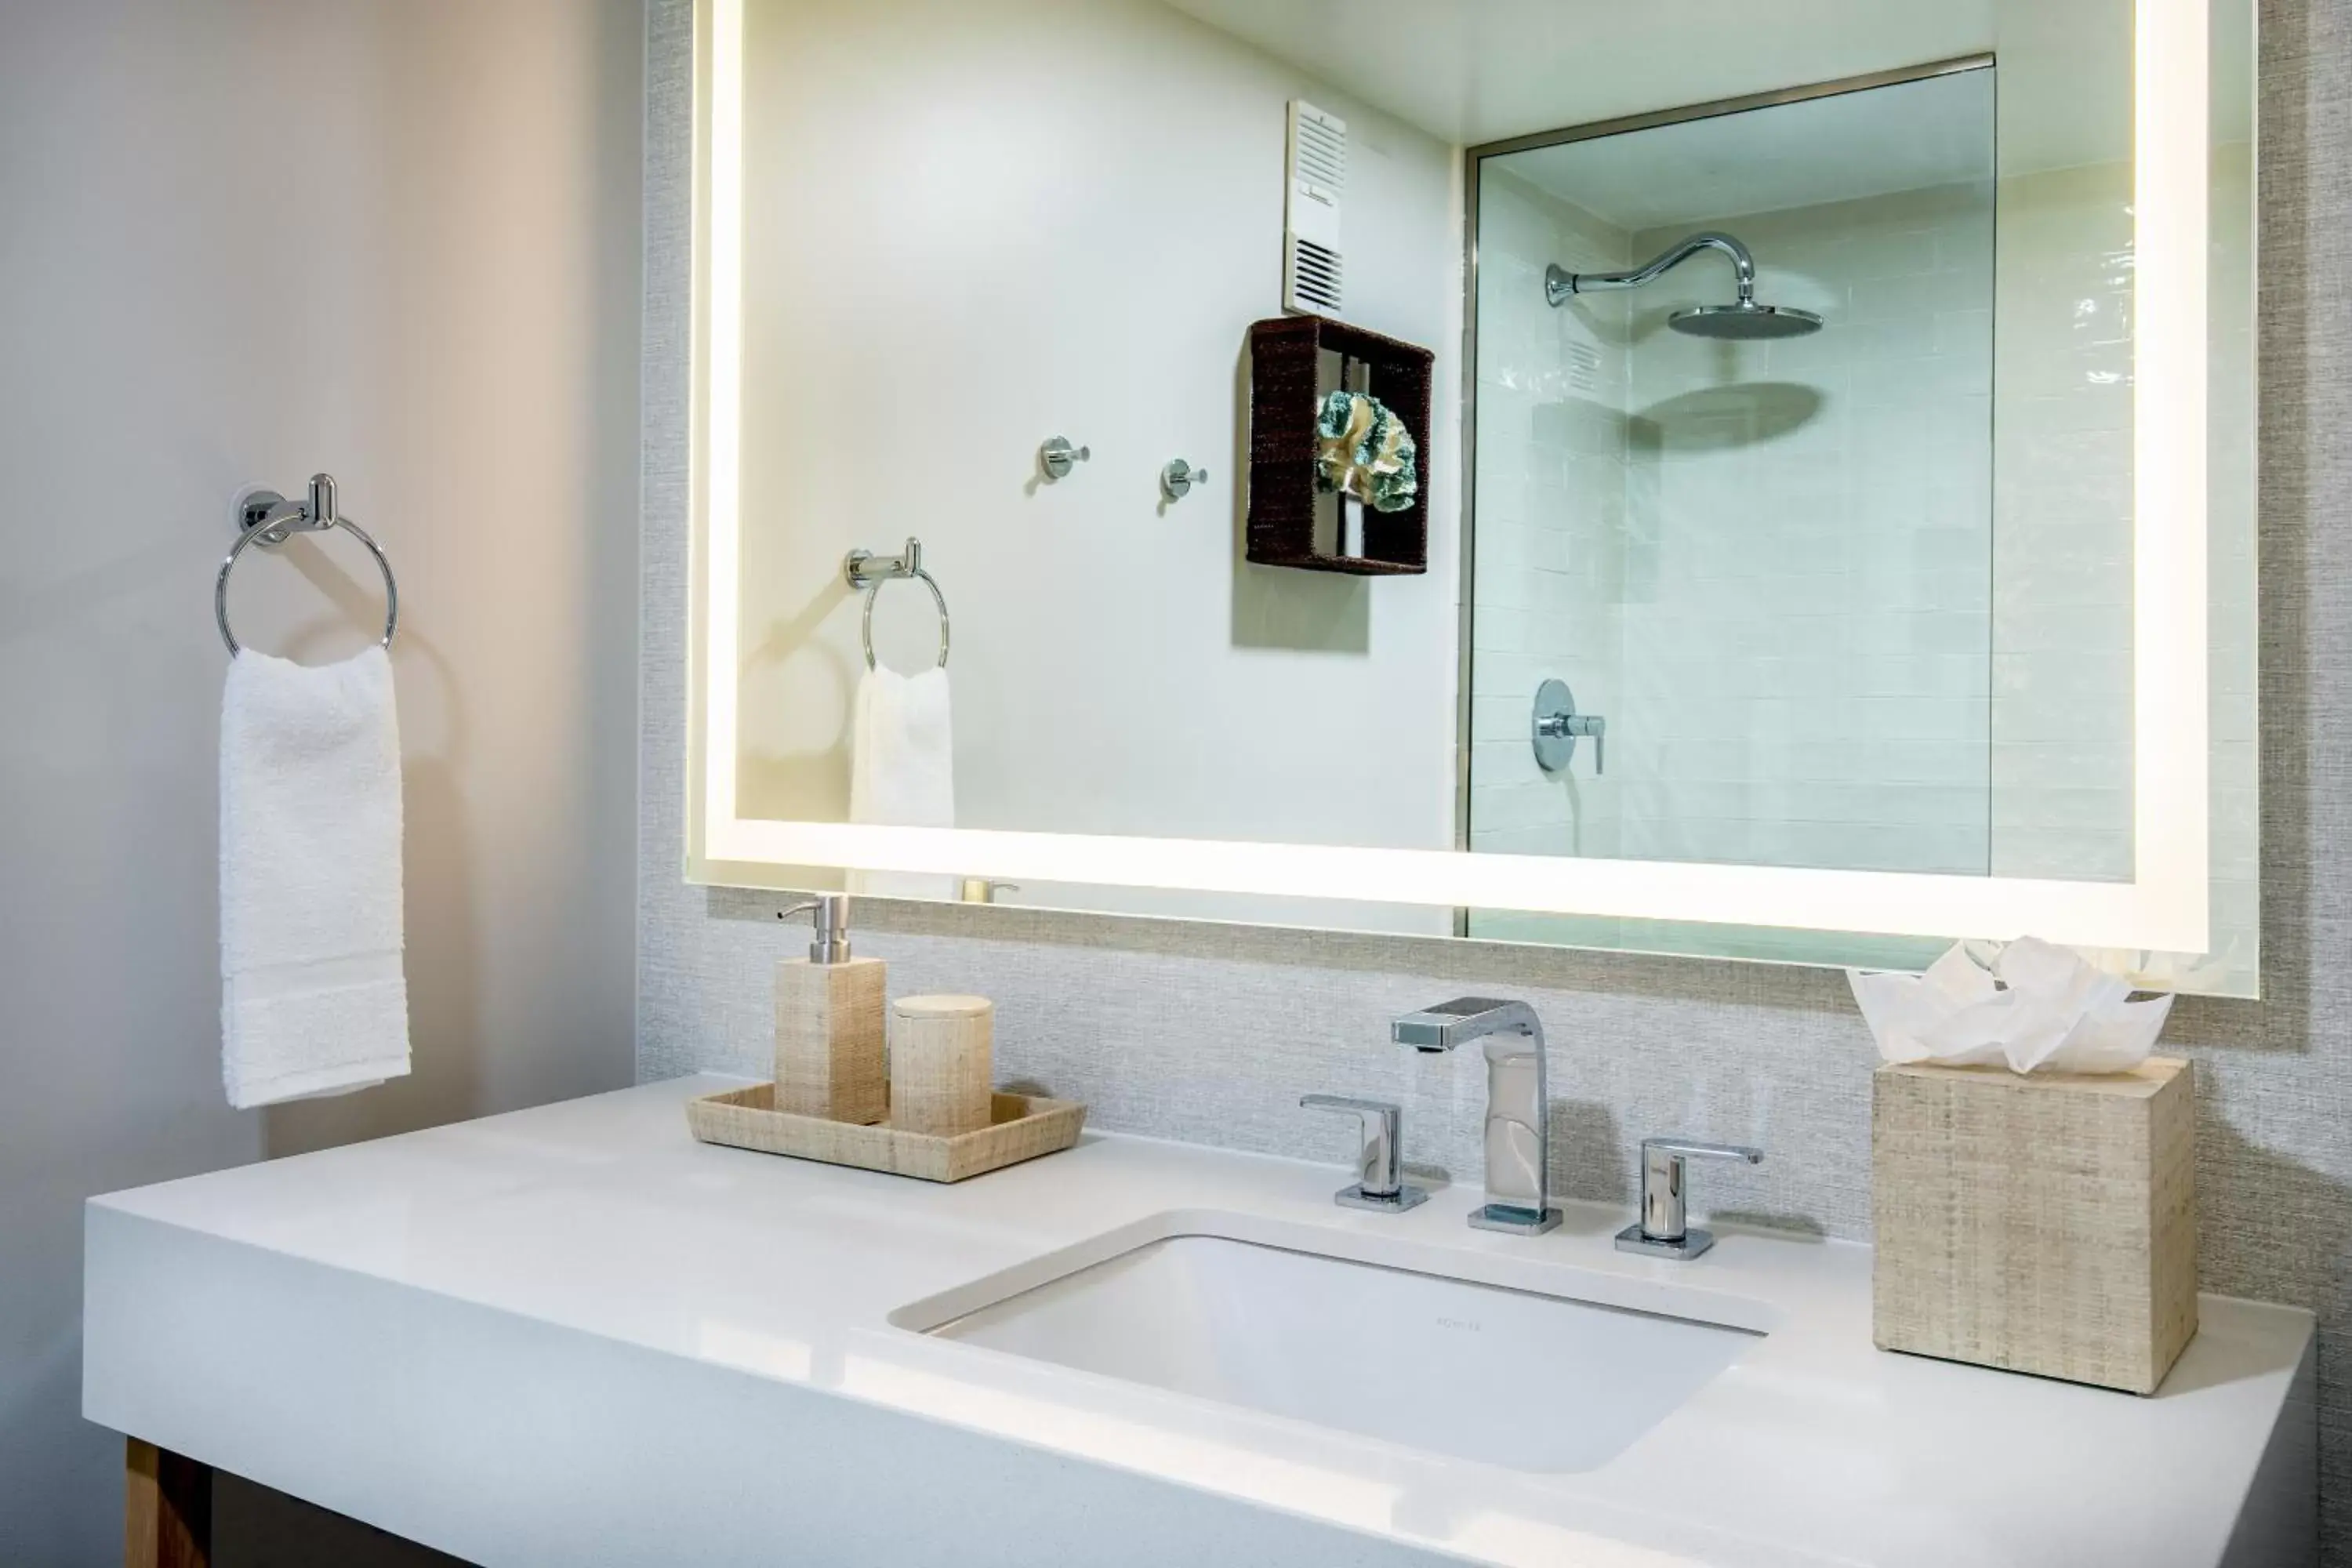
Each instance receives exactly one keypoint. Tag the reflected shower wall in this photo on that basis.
(1807, 637)
(1766, 566)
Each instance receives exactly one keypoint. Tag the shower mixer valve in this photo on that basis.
(1557, 726)
(1569, 726)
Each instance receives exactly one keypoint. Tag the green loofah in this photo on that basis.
(1338, 409)
(1365, 451)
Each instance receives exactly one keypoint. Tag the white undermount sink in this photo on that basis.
(1273, 1321)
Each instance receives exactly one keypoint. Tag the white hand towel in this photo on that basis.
(313, 1000)
(902, 770)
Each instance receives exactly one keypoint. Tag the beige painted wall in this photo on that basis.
(243, 240)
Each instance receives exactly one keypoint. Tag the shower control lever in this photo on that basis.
(1558, 726)
(1571, 725)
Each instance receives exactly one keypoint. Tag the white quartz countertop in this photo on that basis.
(412, 1331)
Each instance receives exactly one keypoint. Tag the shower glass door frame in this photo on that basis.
(1473, 160)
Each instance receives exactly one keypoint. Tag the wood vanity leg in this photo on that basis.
(167, 1513)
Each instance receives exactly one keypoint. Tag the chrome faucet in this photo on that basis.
(1518, 1156)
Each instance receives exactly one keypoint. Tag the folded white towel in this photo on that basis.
(902, 770)
(313, 1000)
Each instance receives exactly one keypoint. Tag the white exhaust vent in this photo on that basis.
(1312, 271)
(1583, 365)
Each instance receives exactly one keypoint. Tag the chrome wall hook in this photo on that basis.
(1057, 456)
(1177, 480)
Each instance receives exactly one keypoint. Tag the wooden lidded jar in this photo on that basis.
(940, 1064)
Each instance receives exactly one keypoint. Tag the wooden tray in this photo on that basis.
(1024, 1128)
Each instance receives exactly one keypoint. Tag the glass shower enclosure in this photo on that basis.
(1733, 496)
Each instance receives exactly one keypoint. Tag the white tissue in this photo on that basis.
(2039, 1008)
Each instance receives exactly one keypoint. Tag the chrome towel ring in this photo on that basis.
(866, 571)
(268, 519)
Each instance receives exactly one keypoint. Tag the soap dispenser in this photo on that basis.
(830, 1059)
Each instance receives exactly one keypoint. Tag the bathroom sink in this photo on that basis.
(1519, 1378)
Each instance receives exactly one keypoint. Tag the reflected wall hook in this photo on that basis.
(1057, 456)
(1177, 480)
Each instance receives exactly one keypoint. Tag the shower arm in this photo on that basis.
(1562, 284)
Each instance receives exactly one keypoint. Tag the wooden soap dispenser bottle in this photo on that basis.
(830, 1059)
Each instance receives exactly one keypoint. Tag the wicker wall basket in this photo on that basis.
(1023, 1128)
(1284, 357)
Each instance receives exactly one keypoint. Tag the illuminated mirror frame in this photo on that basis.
(2165, 908)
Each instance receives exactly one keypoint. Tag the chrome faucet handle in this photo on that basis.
(1664, 1230)
(1380, 1159)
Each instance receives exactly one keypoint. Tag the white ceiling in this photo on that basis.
(1936, 132)
(1472, 71)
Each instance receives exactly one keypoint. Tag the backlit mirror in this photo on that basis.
(1535, 471)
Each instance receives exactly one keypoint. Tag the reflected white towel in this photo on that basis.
(902, 770)
(313, 1000)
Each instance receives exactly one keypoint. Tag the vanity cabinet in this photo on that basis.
(575, 1334)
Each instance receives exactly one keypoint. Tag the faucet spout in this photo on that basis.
(1519, 1101)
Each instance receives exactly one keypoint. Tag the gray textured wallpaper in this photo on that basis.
(1211, 1033)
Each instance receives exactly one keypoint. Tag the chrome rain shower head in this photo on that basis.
(1744, 324)
(1743, 321)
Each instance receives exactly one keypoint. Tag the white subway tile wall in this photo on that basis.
(1806, 636)
(1860, 599)
(1551, 495)
(1767, 565)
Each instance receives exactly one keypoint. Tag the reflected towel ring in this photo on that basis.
(270, 518)
(866, 571)
(936, 597)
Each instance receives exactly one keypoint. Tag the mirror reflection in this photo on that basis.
(1520, 428)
